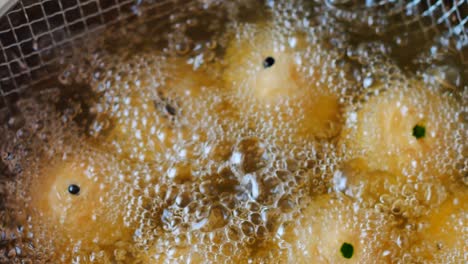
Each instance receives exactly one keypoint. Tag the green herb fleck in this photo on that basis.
(347, 250)
(419, 131)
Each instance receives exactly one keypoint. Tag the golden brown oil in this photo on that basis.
(265, 137)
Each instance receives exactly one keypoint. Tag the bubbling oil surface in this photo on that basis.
(269, 138)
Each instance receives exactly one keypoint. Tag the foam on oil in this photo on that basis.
(266, 138)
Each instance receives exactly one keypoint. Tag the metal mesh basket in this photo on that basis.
(449, 17)
(36, 34)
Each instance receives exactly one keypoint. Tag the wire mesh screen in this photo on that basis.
(424, 16)
(36, 35)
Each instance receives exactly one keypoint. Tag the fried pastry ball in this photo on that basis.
(406, 129)
(442, 235)
(357, 180)
(78, 200)
(274, 72)
(335, 230)
(152, 105)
